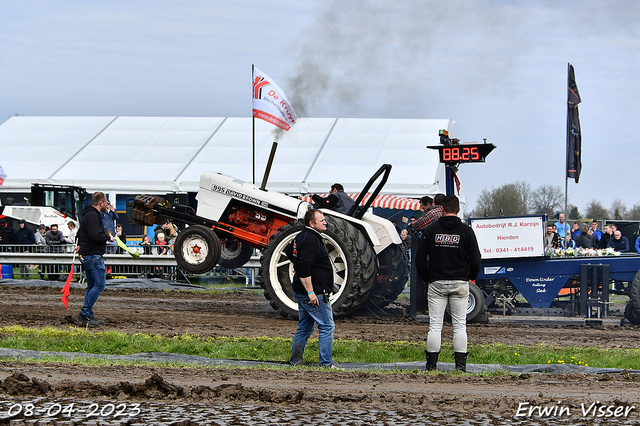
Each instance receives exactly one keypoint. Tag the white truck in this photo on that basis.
(233, 217)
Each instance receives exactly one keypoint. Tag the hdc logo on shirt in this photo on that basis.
(447, 239)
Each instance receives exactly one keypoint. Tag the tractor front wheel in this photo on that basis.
(197, 249)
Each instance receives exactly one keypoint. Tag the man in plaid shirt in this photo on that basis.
(434, 212)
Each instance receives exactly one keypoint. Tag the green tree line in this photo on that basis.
(517, 198)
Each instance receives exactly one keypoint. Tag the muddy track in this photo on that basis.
(242, 396)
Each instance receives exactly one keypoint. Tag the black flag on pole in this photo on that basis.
(574, 135)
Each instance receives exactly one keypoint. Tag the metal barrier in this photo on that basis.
(53, 263)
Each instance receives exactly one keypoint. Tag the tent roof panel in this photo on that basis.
(137, 154)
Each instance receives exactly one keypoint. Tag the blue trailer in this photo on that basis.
(518, 275)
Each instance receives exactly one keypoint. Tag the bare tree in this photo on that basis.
(511, 199)
(547, 200)
(619, 209)
(634, 213)
(595, 210)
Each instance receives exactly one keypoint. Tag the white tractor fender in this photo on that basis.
(380, 231)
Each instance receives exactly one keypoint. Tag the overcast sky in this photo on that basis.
(496, 67)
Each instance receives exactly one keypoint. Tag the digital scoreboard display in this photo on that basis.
(465, 153)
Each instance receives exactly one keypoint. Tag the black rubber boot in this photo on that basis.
(432, 360)
(461, 361)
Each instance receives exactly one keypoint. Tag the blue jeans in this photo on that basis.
(94, 270)
(308, 316)
(455, 293)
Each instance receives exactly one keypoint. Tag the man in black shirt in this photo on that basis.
(92, 243)
(312, 284)
(454, 260)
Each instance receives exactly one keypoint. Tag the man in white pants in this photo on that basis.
(453, 260)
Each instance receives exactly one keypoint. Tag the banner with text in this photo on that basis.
(507, 237)
(270, 103)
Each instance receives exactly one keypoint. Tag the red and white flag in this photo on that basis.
(3, 175)
(270, 103)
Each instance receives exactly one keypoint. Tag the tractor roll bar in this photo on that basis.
(356, 212)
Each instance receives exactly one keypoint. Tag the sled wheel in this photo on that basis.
(475, 304)
(634, 292)
(277, 270)
(197, 249)
(632, 314)
(393, 273)
(234, 253)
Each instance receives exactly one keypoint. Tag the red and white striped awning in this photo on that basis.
(382, 201)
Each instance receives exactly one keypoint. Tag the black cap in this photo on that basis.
(22, 221)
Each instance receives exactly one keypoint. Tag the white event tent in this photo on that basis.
(157, 155)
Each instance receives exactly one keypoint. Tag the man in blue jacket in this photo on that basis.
(454, 260)
(312, 284)
(92, 243)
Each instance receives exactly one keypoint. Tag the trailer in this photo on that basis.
(520, 276)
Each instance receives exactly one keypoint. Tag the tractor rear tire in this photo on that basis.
(234, 253)
(197, 249)
(277, 270)
(393, 274)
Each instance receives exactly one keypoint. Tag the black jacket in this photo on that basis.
(311, 259)
(91, 237)
(452, 249)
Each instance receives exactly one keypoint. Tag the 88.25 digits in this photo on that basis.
(94, 410)
(457, 153)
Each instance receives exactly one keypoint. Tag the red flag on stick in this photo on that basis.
(67, 286)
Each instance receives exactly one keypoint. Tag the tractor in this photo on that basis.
(234, 217)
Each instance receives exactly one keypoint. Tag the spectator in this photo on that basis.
(24, 237)
(619, 242)
(406, 241)
(637, 245)
(162, 228)
(121, 236)
(172, 232)
(431, 215)
(606, 236)
(575, 230)
(41, 242)
(6, 235)
(412, 232)
(55, 241)
(40, 238)
(146, 244)
(161, 245)
(73, 233)
(337, 200)
(597, 234)
(109, 218)
(552, 239)
(585, 240)
(111, 246)
(568, 243)
(426, 203)
(561, 226)
(54, 236)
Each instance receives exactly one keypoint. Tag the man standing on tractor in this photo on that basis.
(454, 261)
